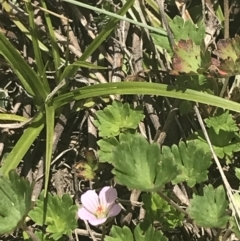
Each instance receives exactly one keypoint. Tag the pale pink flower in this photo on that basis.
(96, 209)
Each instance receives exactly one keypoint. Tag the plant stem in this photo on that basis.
(29, 232)
(172, 203)
(103, 232)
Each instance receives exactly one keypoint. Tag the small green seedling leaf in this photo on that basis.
(223, 121)
(85, 171)
(150, 234)
(159, 210)
(139, 165)
(223, 133)
(117, 118)
(224, 144)
(192, 161)
(209, 210)
(60, 216)
(123, 234)
(120, 234)
(15, 201)
(86, 168)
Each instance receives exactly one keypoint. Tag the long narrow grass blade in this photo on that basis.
(144, 88)
(22, 28)
(117, 16)
(23, 145)
(29, 79)
(36, 49)
(55, 49)
(100, 38)
(50, 114)
(12, 117)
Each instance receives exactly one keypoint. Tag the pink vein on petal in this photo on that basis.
(84, 214)
(90, 201)
(107, 196)
(114, 211)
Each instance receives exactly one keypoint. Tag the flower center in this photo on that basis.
(100, 212)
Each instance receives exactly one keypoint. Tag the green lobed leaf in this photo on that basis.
(123, 234)
(223, 133)
(15, 201)
(120, 234)
(150, 234)
(224, 144)
(60, 215)
(209, 210)
(139, 165)
(228, 48)
(223, 121)
(117, 118)
(107, 145)
(190, 58)
(153, 202)
(182, 30)
(192, 160)
(187, 30)
(228, 53)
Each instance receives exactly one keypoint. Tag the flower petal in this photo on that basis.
(90, 201)
(84, 214)
(114, 211)
(107, 196)
(96, 222)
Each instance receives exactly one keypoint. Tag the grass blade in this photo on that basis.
(55, 50)
(23, 145)
(144, 88)
(117, 16)
(36, 49)
(101, 37)
(29, 79)
(50, 114)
